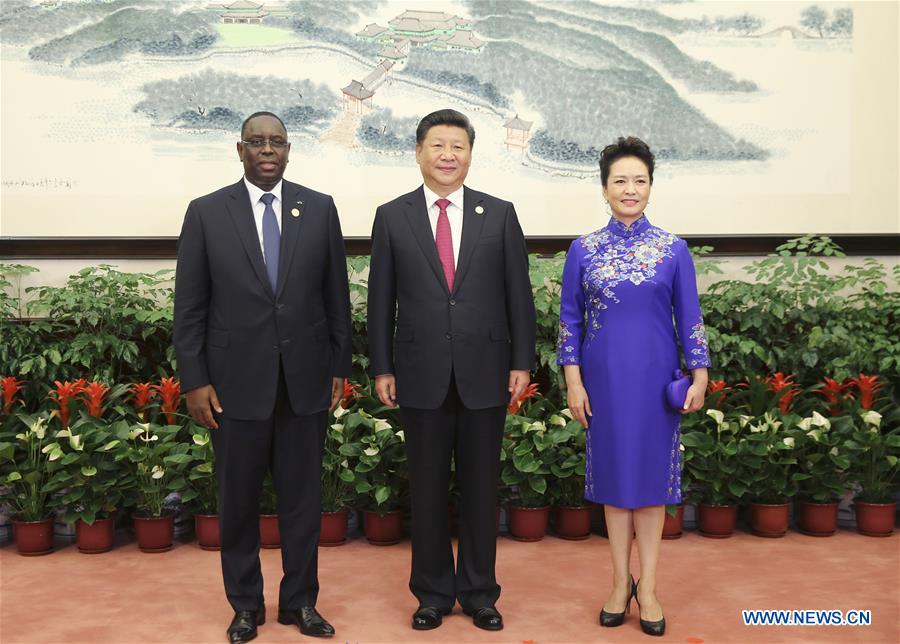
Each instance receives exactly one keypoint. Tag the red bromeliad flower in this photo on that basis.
(350, 393)
(835, 392)
(779, 382)
(94, 393)
(141, 393)
(715, 386)
(170, 393)
(530, 390)
(867, 386)
(64, 393)
(10, 387)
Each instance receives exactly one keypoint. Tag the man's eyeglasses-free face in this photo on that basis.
(259, 144)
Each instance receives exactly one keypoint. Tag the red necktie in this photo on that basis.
(443, 239)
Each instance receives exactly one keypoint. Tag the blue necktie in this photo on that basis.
(271, 239)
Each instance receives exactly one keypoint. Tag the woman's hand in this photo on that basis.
(693, 400)
(579, 405)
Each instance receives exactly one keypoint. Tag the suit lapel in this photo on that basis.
(291, 199)
(241, 213)
(417, 217)
(471, 231)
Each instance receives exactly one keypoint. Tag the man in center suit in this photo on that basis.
(262, 336)
(451, 326)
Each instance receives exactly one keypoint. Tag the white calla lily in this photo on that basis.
(871, 417)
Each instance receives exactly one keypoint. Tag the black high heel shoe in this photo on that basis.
(657, 628)
(617, 619)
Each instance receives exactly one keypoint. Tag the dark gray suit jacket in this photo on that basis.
(231, 330)
(480, 331)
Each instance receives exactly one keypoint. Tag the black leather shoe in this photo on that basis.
(428, 617)
(309, 621)
(486, 617)
(617, 619)
(243, 626)
(657, 628)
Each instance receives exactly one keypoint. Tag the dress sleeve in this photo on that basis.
(571, 310)
(686, 308)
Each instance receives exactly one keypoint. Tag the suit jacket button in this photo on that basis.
(452, 302)
(275, 347)
(278, 307)
(449, 336)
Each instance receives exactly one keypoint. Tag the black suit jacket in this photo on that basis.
(231, 330)
(480, 331)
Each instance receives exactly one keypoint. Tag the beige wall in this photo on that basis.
(55, 272)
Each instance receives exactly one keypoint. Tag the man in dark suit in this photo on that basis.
(262, 336)
(451, 327)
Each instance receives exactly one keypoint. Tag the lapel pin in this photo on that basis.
(295, 212)
(479, 210)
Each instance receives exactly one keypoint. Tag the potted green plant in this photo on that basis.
(773, 483)
(202, 492)
(572, 515)
(528, 453)
(28, 481)
(93, 479)
(720, 479)
(874, 451)
(157, 460)
(822, 464)
(338, 479)
(380, 477)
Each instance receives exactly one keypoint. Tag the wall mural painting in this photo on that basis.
(142, 97)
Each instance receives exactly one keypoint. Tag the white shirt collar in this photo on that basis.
(256, 192)
(455, 198)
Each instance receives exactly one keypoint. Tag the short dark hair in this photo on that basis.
(255, 114)
(445, 117)
(625, 147)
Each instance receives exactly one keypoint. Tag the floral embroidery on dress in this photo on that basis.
(701, 348)
(617, 254)
(564, 347)
(673, 491)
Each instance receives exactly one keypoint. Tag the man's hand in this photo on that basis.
(518, 380)
(201, 402)
(337, 392)
(386, 388)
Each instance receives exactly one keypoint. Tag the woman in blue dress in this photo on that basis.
(627, 288)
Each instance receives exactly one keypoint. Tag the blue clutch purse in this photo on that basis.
(676, 391)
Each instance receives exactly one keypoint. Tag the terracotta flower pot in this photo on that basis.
(673, 525)
(818, 519)
(269, 535)
(528, 524)
(875, 519)
(384, 530)
(717, 521)
(769, 519)
(33, 537)
(95, 538)
(572, 522)
(206, 526)
(334, 528)
(154, 534)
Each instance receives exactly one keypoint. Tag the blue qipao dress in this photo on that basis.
(625, 291)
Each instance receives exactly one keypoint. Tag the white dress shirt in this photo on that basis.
(454, 214)
(259, 208)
